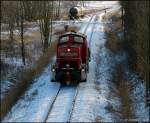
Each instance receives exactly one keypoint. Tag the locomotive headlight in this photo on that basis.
(83, 70)
(53, 70)
(67, 65)
(68, 50)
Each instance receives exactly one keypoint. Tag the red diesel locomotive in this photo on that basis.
(72, 60)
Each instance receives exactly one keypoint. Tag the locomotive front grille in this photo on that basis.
(68, 54)
(68, 64)
(73, 64)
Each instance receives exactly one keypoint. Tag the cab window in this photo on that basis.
(64, 39)
(78, 39)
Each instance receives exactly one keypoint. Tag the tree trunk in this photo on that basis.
(58, 9)
(46, 31)
(51, 25)
(46, 15)
(22, 41)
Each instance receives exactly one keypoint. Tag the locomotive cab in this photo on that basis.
(72, 58)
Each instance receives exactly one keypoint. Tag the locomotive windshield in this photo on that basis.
(78, 39)
(64, 39)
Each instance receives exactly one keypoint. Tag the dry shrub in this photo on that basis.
(24, 80)
(123, 93)
(113, 42)
(115, 16)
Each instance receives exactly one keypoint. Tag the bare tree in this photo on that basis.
(51, 24)
(21, 15)
(57, 9)
(28, 9)
(83, 3)
(10, 14)
(46, 16)
(59, 3)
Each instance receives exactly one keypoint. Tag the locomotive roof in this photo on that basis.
(74, 33)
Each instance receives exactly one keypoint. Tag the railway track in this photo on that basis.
(91, 34)
(73, 104)
(85, 30)
(54, 104)
(51, 106)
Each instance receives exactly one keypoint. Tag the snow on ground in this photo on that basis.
(92, 99)
(35, 103)
(138, 96)
(63, 105)
(5, 87)
(13, 61)
(95, 108)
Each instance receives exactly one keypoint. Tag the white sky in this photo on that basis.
(101, 3)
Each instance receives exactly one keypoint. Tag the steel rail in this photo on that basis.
(51, 106)
(77, 90)
(88, 24)
(73, 103)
